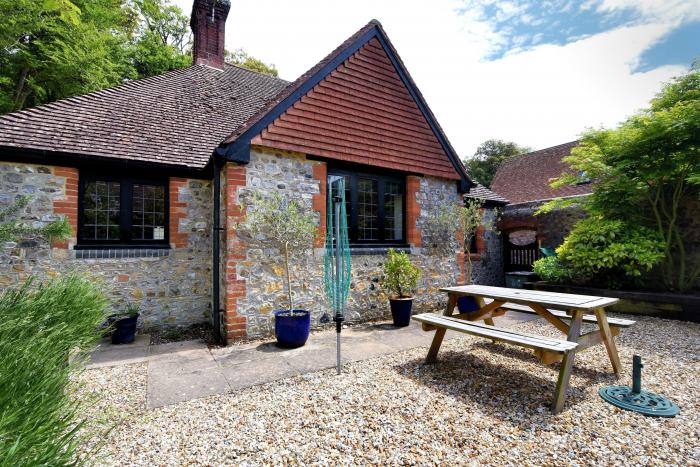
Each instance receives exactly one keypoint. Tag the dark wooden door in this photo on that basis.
(519, 257)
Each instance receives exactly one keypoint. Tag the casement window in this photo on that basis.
(117, 211)
(375, 206)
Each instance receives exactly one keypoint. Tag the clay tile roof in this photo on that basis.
(177, 118)
(526, 178)
(293, 86)
(481, 192)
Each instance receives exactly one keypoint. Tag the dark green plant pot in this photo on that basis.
(401, 311)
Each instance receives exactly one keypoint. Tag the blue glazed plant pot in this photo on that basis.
(124, 330)
(292, 330)
(467, 304)
(401, 311)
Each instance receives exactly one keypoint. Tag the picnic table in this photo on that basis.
(555, 308)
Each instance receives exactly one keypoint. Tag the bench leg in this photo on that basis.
(567, 364)
(608, 339)
(440, 332)
(435, 346)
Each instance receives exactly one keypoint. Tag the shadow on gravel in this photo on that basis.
(515, 396)
(592, 375)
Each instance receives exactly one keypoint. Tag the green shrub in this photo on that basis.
(400, 275)
(551, 269)
(610, 252)
(39, 327)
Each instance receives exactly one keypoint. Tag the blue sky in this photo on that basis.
(534, 72)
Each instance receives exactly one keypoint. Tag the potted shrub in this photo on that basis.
(286, 226)
(124, 325)
(400, 279)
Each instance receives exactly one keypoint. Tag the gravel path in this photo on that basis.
(483, 403)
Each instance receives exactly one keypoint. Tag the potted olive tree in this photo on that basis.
(400, 279)
(286, 226)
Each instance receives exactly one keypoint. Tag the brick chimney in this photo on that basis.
(208, 22)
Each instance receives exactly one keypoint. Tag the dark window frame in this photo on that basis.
(353, 227)
(125, 212)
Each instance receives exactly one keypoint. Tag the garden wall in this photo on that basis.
(551, 228)
(487, 264)
(173, 287)
(254, 276)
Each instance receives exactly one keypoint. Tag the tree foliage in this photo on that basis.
(242, 58)
(482, 166)
(610, 253)
(646, 170)
(53, 49)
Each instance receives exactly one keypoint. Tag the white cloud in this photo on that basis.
(540, 97)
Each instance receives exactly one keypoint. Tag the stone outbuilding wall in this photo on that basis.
(487, 263)
(172, 287)
(254, 275)
(550, 229)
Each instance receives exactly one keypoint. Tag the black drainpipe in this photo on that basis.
(216, 234)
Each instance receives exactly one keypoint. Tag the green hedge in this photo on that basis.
(40, 325)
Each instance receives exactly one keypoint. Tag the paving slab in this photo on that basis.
(187, 370)
(244, 375)
(107, 354)
(184, 375)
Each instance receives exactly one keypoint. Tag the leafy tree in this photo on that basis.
(242, 58)
(162, 38)
(52, 49)
(482, 166)
(646, 170)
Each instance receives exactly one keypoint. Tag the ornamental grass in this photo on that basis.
(43, 326)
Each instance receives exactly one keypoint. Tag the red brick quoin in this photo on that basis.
(178, 210)
(319, 202)
(235, 251)
(413, 235)
(67, 206)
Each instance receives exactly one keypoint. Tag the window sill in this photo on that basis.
(366, 250)
(120, 252)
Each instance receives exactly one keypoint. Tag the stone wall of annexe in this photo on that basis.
(253, 282)
(172, 287)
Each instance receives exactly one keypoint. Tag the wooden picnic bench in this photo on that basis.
(556, 308)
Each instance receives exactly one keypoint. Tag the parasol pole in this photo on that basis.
(338, 306)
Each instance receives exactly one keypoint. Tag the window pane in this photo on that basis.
(101, 211)
(148, 211)
(393, 211)
(367, 209)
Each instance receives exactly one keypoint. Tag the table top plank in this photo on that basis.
(523, 296)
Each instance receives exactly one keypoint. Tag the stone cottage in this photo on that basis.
(152, 175)
(525, 181)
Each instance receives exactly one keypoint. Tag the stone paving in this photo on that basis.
(188, 370)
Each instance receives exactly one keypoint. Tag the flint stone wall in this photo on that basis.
(172, 290)
(263, 269)
(487, 269)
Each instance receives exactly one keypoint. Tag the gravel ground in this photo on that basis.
(483, 403)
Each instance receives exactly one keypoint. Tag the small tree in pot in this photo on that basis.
(400, 279)
(285, 225)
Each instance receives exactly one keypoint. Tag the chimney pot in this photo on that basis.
(208, 22)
